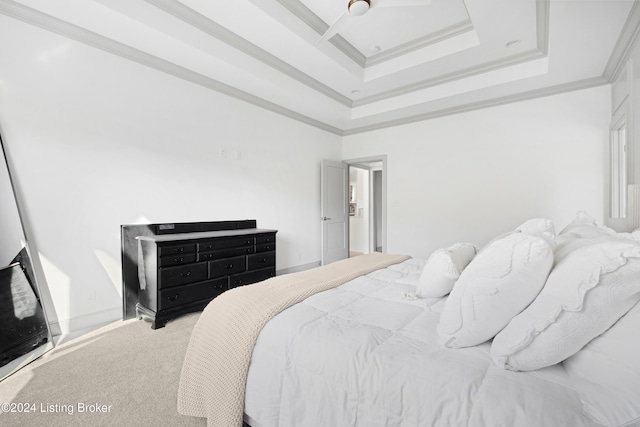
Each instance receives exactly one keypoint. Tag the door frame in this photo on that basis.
(373, 159)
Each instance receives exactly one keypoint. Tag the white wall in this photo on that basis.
(471, 176)
(98, 141)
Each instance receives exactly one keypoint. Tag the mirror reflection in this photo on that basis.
(24, 333)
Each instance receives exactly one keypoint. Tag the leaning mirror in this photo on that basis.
(24, 331)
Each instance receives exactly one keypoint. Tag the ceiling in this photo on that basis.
(393, 65)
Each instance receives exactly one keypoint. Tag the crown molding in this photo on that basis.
(305, 14)
(542, 26)
(197, 20)
(420, 43)
(55, 25)
(349, 50)
(404, 49)
(445, 78)
(625, 45)
(524, 96)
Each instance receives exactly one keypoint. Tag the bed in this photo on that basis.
(385, 340)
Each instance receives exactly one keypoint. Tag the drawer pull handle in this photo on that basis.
(218, 286)
(262, 260)
(237, 282)
(228, 266)
(173, 297)
(179, 259)
(185, 274)
(179, 250)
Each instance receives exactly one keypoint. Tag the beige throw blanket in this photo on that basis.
(214, 373)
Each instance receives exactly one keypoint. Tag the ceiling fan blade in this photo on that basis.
(400, 3)
(334, 28)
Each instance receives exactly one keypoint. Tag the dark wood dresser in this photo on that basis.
(181, 267)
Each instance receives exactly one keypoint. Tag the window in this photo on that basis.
(619, 170)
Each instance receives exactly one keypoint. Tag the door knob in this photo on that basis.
(324, 218)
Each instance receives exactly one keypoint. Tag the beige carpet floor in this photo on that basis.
(124, 374)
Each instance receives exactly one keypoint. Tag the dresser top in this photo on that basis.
(205, 235)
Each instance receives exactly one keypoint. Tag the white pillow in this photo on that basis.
(566, 247)
(586, 227)
(496, 285)
(537, 226)
(442, 270)
(588, 291)
(542, 226)
(606, 372)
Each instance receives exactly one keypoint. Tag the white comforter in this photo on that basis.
(367, 354)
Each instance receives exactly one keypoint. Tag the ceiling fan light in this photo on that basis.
(358, 7)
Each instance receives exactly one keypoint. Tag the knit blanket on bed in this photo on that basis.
(214, 373)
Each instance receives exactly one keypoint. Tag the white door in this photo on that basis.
(334, 211)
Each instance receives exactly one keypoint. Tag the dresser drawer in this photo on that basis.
(225, 253)
(173, 249)
(211, 245)
(227, 266)
(268, 238)
(170, 260)
(266, 247)
(181, 295)
(251, 277)
(261, 260)
(171, 276)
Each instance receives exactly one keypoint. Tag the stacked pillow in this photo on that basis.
(593, 284)
(584, 312)
(538, 226)
(584, 226)
(586, 293)
(536, 316)
(607, 373)
(498, 284)
(582, 231)
(442, 270)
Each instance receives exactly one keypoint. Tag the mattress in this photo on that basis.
(367, 354)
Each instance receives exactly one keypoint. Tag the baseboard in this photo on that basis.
(297, 268)
(65, 329)
(80, 325)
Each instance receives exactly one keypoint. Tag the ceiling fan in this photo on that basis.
(360, 7)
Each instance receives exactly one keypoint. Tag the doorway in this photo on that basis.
(367, 205)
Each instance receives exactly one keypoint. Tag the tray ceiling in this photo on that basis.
(390, 66)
